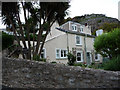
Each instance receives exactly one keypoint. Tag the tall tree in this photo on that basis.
(43, 14)
(108, 44)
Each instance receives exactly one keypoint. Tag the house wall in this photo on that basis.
(89, 45)
(68, 26)
(54, 32)
(61, 42)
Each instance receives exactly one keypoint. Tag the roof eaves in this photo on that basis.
(77, 33)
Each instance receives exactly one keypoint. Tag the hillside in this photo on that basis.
(94, 20)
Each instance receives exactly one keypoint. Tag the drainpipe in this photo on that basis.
(67, 43)
(87, 61)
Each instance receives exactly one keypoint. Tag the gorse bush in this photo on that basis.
(7, 40)
(113, 64)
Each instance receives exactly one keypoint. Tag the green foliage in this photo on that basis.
(96, 65)
(80, 64)
(71, 59)
(53, 62)
(43, 59)
(113, 64)
(107, 27)
(7, 40)
(108, 44)
(31, 37)
(37, 58)
(99, 21)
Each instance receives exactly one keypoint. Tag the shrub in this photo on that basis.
(37, 58)
(108, 45)
(113, 64)
(80, 64)
(43, 59)
(53, 62)
(71, 59)
(7, 40)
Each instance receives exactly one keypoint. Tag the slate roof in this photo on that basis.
(74, 32)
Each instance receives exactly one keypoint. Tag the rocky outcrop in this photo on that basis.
(95, 20)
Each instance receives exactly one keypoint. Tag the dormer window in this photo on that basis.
(81, 29)
(74, 27)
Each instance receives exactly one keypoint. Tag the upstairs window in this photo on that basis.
(78, 40)
(81, 29)
(74, 27)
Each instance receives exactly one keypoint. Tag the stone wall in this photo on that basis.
(20, 73)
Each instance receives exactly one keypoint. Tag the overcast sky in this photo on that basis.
(81, 7)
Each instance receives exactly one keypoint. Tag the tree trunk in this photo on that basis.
(28, 36)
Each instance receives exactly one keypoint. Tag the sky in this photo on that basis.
(82, 7)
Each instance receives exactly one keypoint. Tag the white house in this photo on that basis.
(72, 37)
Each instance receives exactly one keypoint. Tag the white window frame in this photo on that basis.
(98, 57)
(79, 39)
(57, 53)
(60, 53)
(81, 56)
(90, 56)
(73, 25)
(81, 27)
(44, 53)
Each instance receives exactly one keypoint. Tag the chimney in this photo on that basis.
(85, 24)
(99, 32)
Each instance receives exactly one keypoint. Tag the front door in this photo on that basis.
(79, 56)
(88, 57)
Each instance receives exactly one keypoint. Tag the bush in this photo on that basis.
(37, 58)
(71, 59)
(80, 64)
(43, 59)
(53, 62)
(113, 64)
(108, 45)
(7, 40)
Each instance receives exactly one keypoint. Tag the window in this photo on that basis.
(43, 54)
(96, 56)
(74, 27)
(89, 57)
(78, 40)
(81, 29)
(63, 53)
(60, 53)
(57, 53)
(79, 57)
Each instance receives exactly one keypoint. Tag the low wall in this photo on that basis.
(20, 73)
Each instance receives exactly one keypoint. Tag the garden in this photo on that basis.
(108, 45)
